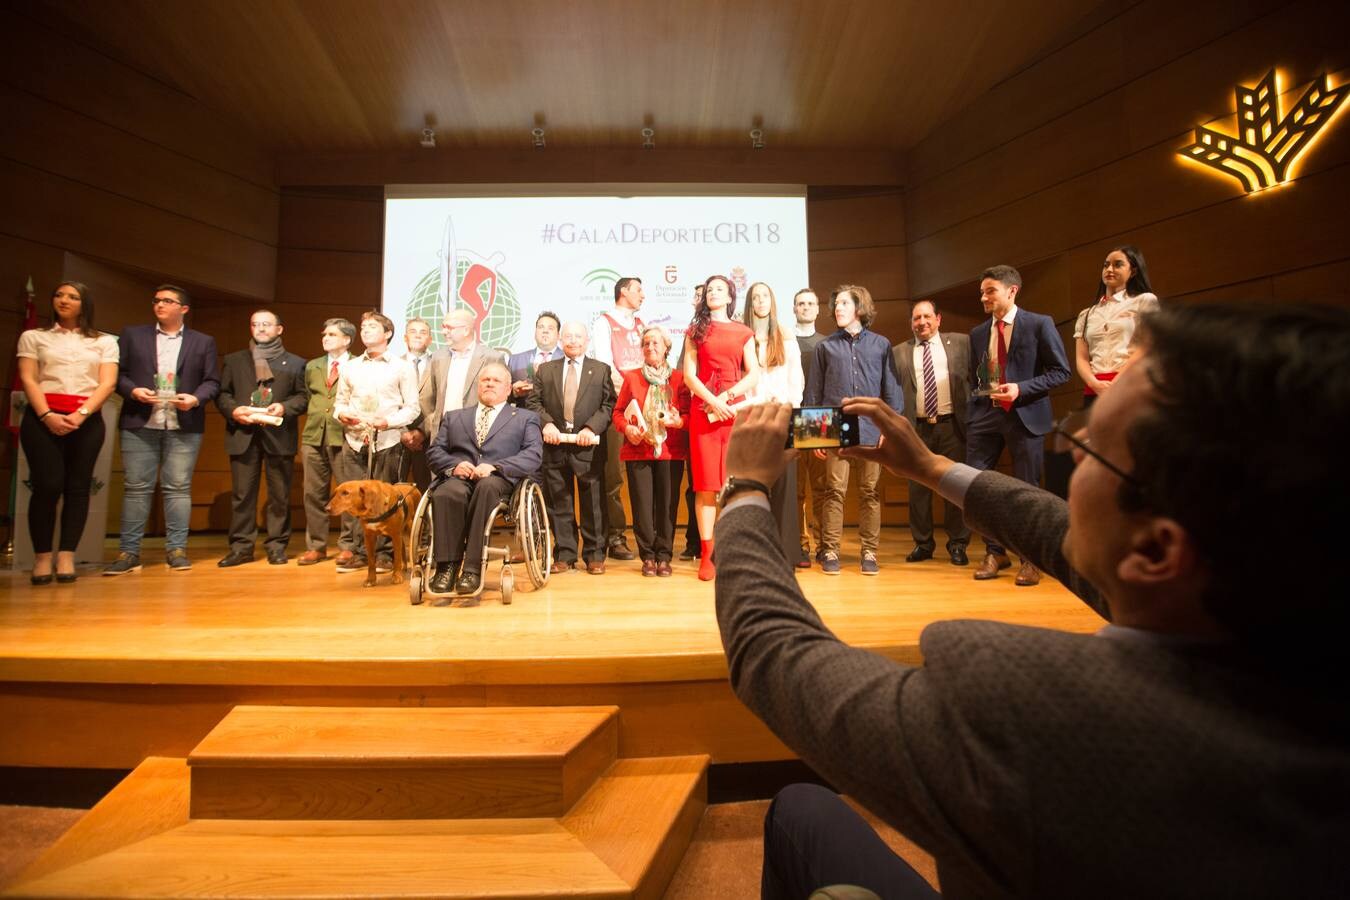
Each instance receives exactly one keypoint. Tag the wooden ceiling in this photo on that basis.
(364, 75)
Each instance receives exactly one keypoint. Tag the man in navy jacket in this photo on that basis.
(168, 373)
(1028, 360)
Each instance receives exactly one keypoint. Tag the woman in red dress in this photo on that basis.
(719, 372)
(650, 413)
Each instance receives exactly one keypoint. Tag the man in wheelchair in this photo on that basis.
(483, 451)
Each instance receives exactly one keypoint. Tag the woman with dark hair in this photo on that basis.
(651, 413)
(1104, 332)
(720, 369)
(67, 372)
(781, 380)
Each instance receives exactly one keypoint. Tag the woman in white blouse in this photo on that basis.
(67, 371)
(781, 380)
(1104, 332)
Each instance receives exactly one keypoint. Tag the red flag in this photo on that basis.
(18, 400)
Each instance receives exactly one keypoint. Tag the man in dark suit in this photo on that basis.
(453, 382)
(267, 378)
(1020, 356)
(167, 372)
(574, 398)
(1194, 746)
(934, 371)
(546, 349)
(484, 450)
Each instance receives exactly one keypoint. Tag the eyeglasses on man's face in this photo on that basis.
(1082, 445)
(167, 301)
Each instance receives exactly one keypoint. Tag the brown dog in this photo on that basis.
(383, 508)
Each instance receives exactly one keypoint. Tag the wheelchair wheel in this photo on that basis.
(419, 549)
(508, 584)
(533, 533)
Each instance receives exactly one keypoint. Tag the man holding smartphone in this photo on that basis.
(853, 362)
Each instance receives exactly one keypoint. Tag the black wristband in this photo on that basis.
(46, 414)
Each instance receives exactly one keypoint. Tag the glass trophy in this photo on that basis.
(166, 387)
(986, 377)
(261, 397)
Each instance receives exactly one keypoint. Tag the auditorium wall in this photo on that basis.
(1077, 153)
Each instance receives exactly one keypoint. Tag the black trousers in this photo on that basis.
(570, 474)
(654, 492)
(460, 509)
(60, 468)
(988, 434)
(692, 542)
(246, 473)
(941, 438)
(813, 839)
(783, 502)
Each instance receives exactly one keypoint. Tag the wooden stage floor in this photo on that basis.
(145, 662)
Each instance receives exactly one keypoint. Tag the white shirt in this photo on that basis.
(944, 384)
(455, 378)
(993, 338)
(1108, 328)
(164, 416)
(383, 386)
(785, 383)
(67, 361)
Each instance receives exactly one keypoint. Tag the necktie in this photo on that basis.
(417, 369)
(930, 400)
(570, 391)
(1003, 364)
(481, 431)
(543, 358)
(332, 374)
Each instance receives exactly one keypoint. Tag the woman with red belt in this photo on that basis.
(1104, 332)
(720, 372)
(67, 372)
(650, 414)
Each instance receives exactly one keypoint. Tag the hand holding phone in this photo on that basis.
(822, 427)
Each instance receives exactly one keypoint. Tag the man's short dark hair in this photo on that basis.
(623, 283)
(1248, 428)
(263, 309)
(385, 322)
(342, 325)
(930, 302)
(805, 291)
(549, 314)
(183, 296)
(1005, 274)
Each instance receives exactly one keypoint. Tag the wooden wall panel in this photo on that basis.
(865, 221)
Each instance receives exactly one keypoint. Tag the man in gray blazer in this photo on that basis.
(1197, 745)
(453, 382)
(934, 371)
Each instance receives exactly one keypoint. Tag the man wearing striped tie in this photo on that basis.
(934, 371)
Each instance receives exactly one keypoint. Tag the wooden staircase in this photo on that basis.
(375, 802)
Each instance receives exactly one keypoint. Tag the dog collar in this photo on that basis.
(398, 504)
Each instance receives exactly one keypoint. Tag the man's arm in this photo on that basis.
(811, 395)
(890, 380)
(442, 454)
(1050, 358)
(210, 384)
(526, 460)
(226, 402)
(297, 401)
(599, 420)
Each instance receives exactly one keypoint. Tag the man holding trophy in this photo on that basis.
(376, 401)
(1017, 357)
(262, 395)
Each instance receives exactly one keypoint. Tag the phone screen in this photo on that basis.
(819, 427)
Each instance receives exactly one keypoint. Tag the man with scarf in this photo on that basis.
(258, 387)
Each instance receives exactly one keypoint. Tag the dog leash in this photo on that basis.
(400, 503)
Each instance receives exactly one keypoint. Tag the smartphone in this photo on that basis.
(822, 427)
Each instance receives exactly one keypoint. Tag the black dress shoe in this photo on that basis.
(919, 554)
(958, 555)
(41, 579)
(620, 550)
(443, 581)
(235, 558)
(276, 558)
(468, 583)
(66, 577)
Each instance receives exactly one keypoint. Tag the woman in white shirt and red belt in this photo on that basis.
(655, 446)
(67, 372)
(1104, 332)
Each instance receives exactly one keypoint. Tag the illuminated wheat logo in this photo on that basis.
(1267, 144)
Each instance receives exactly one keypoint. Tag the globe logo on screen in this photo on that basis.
(481, 290)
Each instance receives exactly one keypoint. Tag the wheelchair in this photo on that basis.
(523, 514)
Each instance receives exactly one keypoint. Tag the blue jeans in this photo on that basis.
(148, 453)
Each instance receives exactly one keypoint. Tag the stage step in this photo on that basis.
(622, 837)
(284, 762)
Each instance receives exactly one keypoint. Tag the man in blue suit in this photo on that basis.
(167, 375)
(524, 364)
(484, 450)
(1028, 360)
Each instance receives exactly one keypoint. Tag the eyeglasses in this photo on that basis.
(1083, 445)
(168, 301)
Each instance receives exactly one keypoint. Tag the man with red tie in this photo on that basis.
(320, 444)
(1028, 360)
